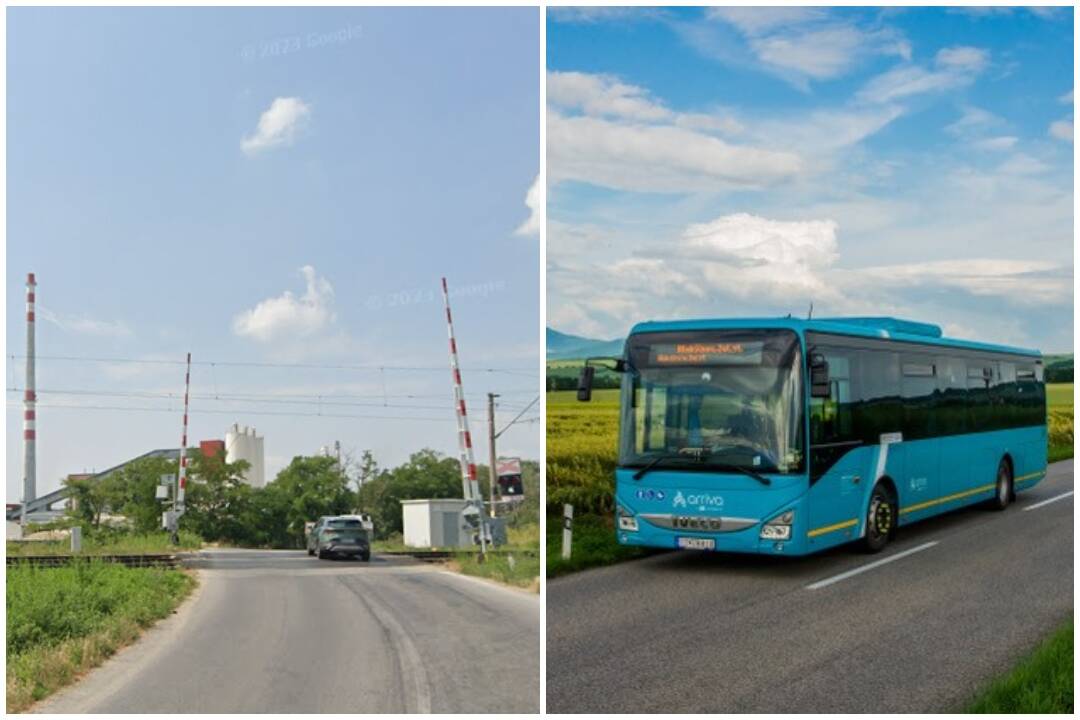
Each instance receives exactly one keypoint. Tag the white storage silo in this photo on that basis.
(242, 443)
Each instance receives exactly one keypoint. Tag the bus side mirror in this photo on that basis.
(584, 386)
(819, 376)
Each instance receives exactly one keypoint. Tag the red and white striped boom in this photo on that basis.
(29, 405)
(181, 484)
(469, 484)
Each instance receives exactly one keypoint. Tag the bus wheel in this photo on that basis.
(880, 519)
(1004, 489)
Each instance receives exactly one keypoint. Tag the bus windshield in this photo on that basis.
(714, 399)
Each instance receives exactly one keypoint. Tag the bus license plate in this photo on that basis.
(686, 543)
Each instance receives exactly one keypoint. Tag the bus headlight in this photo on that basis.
(779, 528)
(627, 521)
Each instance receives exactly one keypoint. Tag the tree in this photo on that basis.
(88, 499)
(312, 486)
(217, 499)
(427, 474)
(132, 491)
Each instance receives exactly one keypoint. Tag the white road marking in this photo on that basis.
(1049, 500)
(850, 573)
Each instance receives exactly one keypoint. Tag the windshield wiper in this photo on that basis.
(701, 457)
(666, 456)
(744, 470)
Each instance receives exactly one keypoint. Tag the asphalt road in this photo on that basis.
(700, 632)
(278, 631)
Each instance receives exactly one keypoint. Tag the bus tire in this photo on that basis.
(881, 519)
(1003, 488)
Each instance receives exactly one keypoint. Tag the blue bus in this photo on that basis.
(787, 436)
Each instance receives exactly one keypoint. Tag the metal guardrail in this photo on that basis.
(168, 560)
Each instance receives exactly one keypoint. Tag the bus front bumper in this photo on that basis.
(736, 534)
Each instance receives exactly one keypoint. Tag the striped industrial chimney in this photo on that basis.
(29, 402)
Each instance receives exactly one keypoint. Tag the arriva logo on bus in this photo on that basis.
(701, 501)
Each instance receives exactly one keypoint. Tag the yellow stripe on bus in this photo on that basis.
(947, 498)
(830, 528)
(929, 503)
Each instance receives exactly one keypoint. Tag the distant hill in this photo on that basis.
(1058, 368)
(561, 346)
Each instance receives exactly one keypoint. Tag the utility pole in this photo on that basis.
(492, 472)
(181, 476)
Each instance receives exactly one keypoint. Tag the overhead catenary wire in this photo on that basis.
(509, 424)
(314, 399)
(522, 372)
(297, 398)
(244, 411)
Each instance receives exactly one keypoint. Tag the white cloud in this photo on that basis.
(962, 57)
(973, 120)
(954, 67)
(744, 254)
(602, 95)
(758, 20)
(596, 14)
(1067, 98)
(288, 315)
(646, 158)
(532, 201)
(1022, 281)
(821, 54)
(1062, 130)
(84, 325)
(999, 143)
(739, 261)
(1022, 164)
(803, 43)
(277, 126)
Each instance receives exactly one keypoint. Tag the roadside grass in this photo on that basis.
(593, 545)
(108, 543)
(1041, 683)
(393, 543)
(63, 621)
(517, 563)
(582, 440)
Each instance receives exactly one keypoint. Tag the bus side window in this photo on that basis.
(877, 408)
(918, 385)
(1031, 395)
(980, 375)
(830, 418)
(1003, 396)
(952, 403)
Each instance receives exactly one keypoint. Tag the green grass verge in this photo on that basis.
(517, 563)
(1040, 683)
(109, 543)
(593, 545)
(520, 567)
(66, 620)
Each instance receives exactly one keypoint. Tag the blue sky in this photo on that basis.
(270, 185)
(750, 161)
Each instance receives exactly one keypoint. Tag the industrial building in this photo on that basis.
(243, 443)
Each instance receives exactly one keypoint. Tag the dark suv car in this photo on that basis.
(344, 536)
